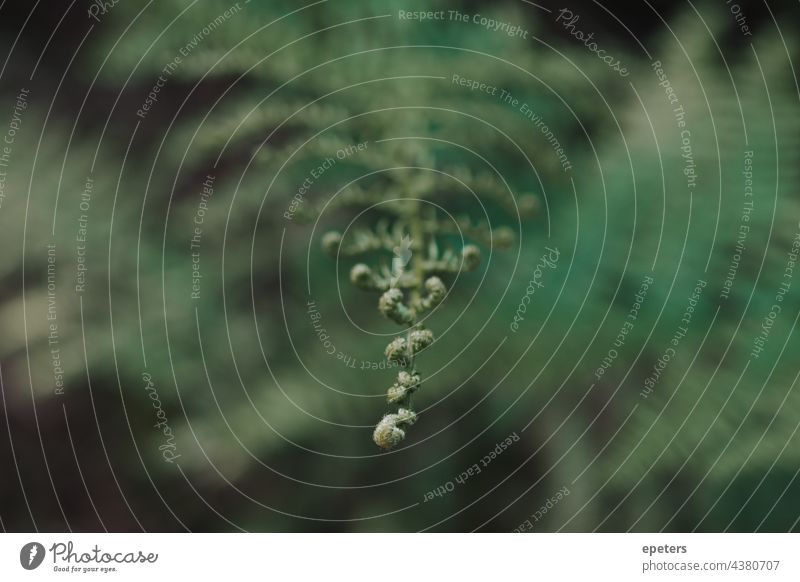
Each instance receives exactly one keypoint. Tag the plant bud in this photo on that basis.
(503, 238)
(331, 242)
(397, 351)
(408, 380)
(361, 276)
(406, 417)
(528, 204)
(472, 257)
(420, 339)
(387, 434)
(391, 305)
(406, 385)
(436, 290)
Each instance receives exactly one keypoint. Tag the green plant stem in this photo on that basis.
(419, 246)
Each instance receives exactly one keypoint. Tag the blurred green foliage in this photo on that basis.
(270, 428)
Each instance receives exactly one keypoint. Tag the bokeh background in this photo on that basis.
(269, 432)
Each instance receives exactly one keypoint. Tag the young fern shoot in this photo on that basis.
(410, 289)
